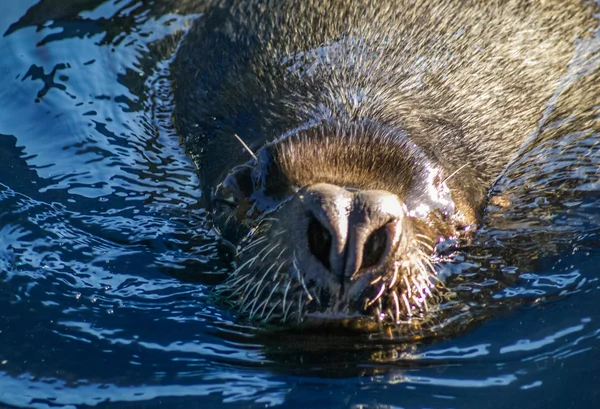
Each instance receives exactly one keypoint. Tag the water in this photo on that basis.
(106, 263)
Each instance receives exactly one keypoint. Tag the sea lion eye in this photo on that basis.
(231, 202)
(241, 180)
(237, 186)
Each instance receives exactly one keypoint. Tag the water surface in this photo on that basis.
(106, 260)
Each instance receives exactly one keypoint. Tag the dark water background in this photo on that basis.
(105, 264)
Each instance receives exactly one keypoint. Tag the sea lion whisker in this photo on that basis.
(278, 268)
(257, 307)
(232, 294)
(265, 275)
(427, 265)
(251, 290)
(408, 286)
(405, 278)
(246, 249)
(237, 270)
(229, 218)
(279, 255)
(249, 305)
(266, 319)
(422, 243)
(375, 281)
(424, 293)
(270, 295)
(246, 147)
(265, 248)
(397, 305)
(310, 297)
(425, 304)
(300, 305)
(432, 273)
(259, 228)
(422, 269)
(378, 296)
(420, 287)
(425, 282)
(417, 287)
(253, 259)
(287, 310)
(285, 294)
(234, 281)
(395, 275)
(454, 173)
(423, 237)
(406, 305)
(268, 252)
(300, 277)
(241, 289)
(253, 244)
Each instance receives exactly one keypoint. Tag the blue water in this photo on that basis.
(106, 263)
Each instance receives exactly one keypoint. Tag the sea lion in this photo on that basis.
(378, 128)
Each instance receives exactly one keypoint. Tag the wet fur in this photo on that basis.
(361, 94)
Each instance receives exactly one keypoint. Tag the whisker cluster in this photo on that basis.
(261, 287)
(269, 287)
(409, 286)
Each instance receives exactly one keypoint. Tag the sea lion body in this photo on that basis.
(378, 128)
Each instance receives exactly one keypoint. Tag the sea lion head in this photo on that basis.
(335, 223)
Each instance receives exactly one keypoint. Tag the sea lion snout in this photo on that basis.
(327, 228)
(350, 232)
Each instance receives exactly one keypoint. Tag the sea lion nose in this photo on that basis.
(374, 222)
(349, 233)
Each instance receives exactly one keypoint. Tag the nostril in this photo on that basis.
(319, 242)
(374, 248)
